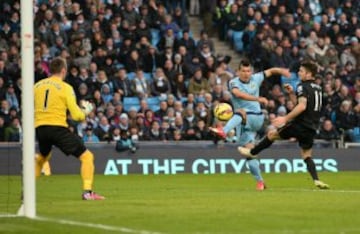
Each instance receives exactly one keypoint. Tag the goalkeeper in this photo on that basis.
(53, 98)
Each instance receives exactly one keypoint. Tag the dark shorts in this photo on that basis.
(61, 137)
(304, 136)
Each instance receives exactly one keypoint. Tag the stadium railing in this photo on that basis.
(351, 144)
(318, 143)
(277, 144)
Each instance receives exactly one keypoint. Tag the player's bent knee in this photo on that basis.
(41, 158)
(87, 156)
(272, 134)
(242, 114)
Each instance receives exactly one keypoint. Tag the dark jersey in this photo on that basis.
(310, 118)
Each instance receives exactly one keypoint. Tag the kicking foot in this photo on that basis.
(219, 131)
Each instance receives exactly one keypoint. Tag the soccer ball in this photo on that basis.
(223, 111)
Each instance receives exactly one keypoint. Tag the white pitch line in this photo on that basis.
(316, 190)
(285, 231)
(84, 224)
(128, 230)
(94, 225)
(8, 216)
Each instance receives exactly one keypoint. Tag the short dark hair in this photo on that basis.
(57, 64)
(244, 63)
(310, 67)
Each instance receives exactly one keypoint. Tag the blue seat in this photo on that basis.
(356, 133)
(293, 80)
(317, 18)
(119, 66)
(148, 76)
(183, 99)
(237, 40)
(191, 34)
(131, 75)
(153, 101)
(179, 35)
(131, 101)
(155, 36)
(333, 117)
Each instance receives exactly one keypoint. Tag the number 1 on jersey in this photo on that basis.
(46, 98)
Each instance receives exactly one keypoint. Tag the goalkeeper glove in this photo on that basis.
(86, 107)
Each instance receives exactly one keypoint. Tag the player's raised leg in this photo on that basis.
(238, 118)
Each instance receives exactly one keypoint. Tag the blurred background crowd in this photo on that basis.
(149, 78)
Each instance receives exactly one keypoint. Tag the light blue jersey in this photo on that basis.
(255, 118)
(252, 88)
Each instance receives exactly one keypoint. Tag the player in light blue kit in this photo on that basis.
(248, 117)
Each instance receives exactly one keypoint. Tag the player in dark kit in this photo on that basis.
(301, 123)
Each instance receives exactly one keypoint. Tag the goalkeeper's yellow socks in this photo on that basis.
(46, 169)
(40, 160)
(87, 170)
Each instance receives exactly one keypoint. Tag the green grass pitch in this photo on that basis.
(187, 203)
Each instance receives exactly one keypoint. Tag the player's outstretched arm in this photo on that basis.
(277, 71)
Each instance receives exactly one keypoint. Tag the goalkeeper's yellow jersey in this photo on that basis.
(53, 97)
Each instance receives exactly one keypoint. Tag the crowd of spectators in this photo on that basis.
(118, 50)
(283, 33)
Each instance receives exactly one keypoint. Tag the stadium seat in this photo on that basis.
(131, 101)
(333, 117)
(183, 100)
(119, 66)
(293, 80)
(179, 35)
(155, 36)
(191, 34)
(356, 133)
(317, 18)
(153, 101)
(237, 40)
(131, 75)
(148, 76)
